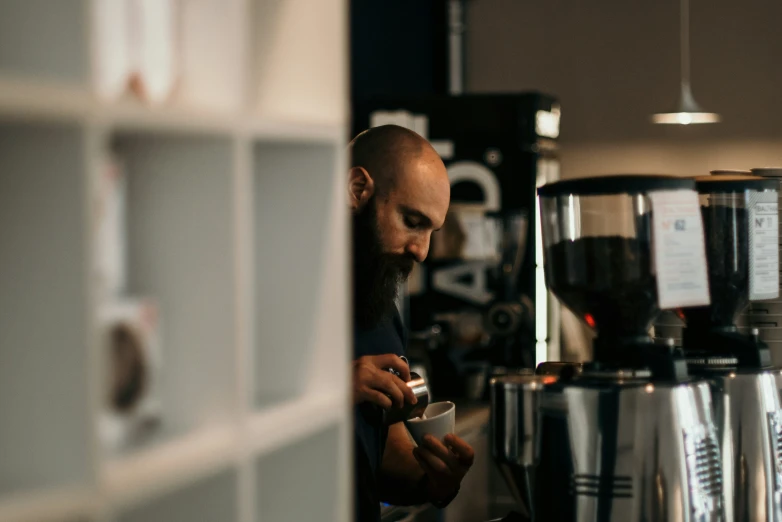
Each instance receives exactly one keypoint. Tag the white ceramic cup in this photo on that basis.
(440, 421)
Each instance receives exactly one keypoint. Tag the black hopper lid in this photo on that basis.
(734, 183)
(616, 184)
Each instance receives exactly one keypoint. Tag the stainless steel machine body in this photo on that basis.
(621, 449)
(749, 426)
(514, 420)
(627, 451)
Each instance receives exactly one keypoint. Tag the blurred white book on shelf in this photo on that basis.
(130, 338)
(154, 38)
(136, 48)
(110, 232)
(111, 33)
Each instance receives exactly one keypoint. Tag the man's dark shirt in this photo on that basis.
(371, 435)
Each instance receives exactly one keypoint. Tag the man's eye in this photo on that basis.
(411, 223)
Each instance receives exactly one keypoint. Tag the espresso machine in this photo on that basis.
(741, 232)
(628, 436)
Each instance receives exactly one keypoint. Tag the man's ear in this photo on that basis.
(361, 187)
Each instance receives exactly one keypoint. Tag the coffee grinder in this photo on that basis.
(741, 232)
(630, 436)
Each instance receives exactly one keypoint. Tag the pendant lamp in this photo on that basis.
(688, 111)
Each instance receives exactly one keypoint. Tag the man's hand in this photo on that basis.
(372, 383)
(445, 464)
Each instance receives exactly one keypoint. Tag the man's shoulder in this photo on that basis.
(388, 336)
(399, 326)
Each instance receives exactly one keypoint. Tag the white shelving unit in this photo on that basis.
(236, 225)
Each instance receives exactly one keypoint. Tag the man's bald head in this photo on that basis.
(399, 194)
(382, 151)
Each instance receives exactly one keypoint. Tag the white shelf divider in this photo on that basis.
(130, 114)
(26, 100)
(295, 132)
(245, 357)
(243, 229)
(51, 506)
(285, 423)
(153, 472)
(210, 499)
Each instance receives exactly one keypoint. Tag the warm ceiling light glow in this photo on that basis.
(685, 118)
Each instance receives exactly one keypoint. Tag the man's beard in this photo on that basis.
(376, 274)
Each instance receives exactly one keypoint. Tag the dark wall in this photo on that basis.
(398, 47)
(613, 63)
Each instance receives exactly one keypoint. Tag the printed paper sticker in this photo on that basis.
(763, 245)
(679, 251)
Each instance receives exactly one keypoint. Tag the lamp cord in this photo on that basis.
(685, 42)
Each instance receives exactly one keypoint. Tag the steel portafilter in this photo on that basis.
(409, 411)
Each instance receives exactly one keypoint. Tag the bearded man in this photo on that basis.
(399, 193)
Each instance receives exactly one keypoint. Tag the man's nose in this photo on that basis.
(419, 248)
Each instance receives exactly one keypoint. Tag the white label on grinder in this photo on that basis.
(679, 251)
(763, 246)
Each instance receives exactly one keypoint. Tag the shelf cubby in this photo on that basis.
(181, 254)
(301, 280)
